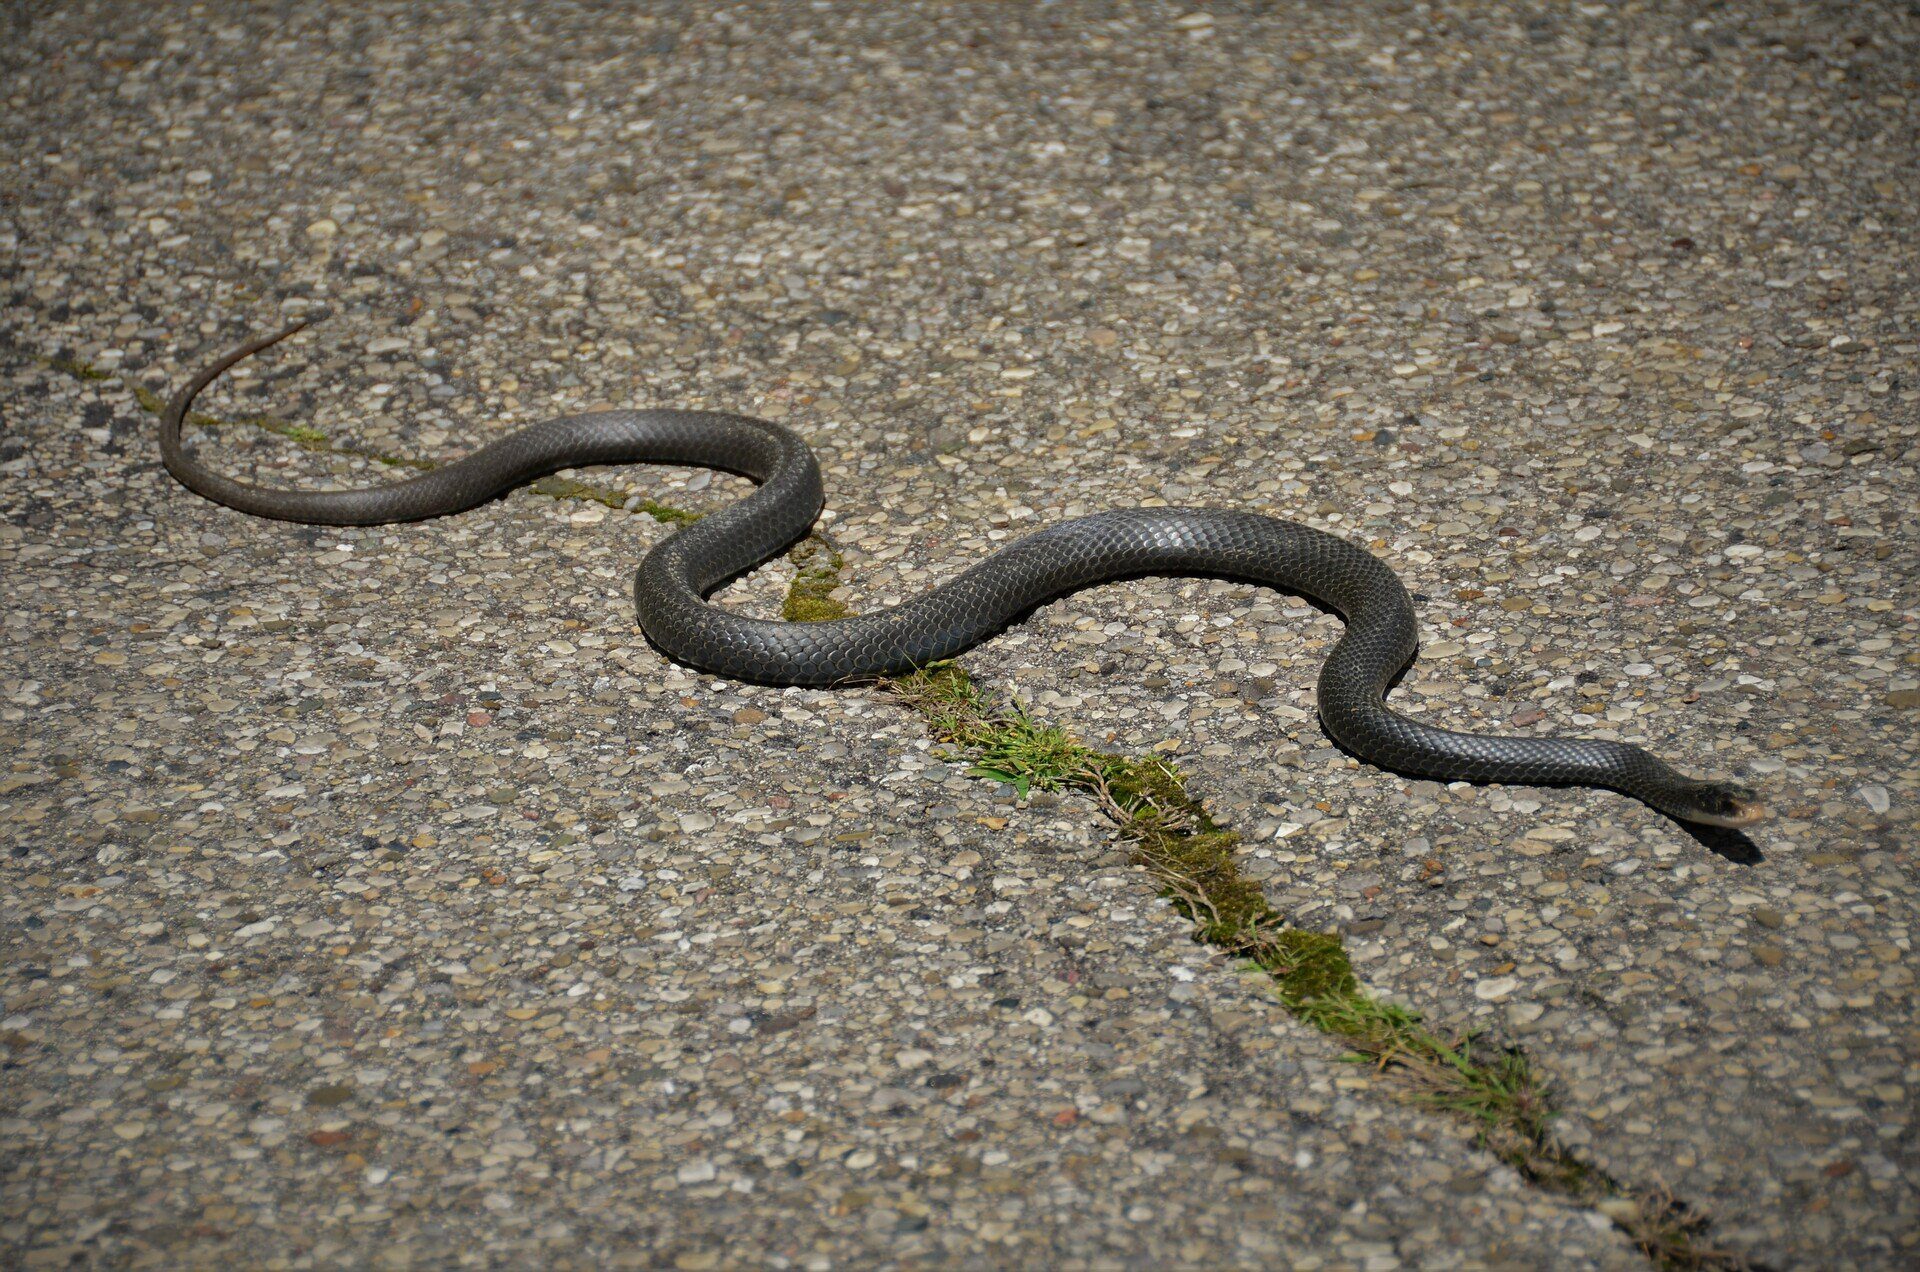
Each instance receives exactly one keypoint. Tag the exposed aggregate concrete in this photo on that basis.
(378, 896)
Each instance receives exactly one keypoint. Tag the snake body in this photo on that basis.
(678, 574)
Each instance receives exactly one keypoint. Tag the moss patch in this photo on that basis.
(619, 500)
(817, 564)
(1190, 857)
(306, 435)
(78, 368)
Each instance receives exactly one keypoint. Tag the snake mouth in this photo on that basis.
(1730, 812)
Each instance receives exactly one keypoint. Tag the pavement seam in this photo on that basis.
(1489, 1085)
(1189, 856)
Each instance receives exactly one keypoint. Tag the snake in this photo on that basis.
(677, 576)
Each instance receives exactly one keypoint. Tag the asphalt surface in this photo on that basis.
(381, 898)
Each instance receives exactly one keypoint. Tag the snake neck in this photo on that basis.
(1367, 727)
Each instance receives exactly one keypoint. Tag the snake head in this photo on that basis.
(1726, 804)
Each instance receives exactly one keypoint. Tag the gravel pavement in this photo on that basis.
(380, 898)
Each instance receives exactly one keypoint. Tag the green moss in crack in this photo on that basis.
(667, 513)
(1308, 967)
(78, 368)
(619, 500)
(1191, 858)
(392, 461)
(568, 488)
(305, 434)
(816, 565)
(309, 437)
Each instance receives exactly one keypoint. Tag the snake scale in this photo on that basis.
(678, 574)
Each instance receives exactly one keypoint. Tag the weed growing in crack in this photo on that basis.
(78, 368)
(619, 500)
(1191, 859)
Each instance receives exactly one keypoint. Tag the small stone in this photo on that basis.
(1520, 1015)
(1495, 989)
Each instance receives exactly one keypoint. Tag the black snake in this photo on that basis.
(676, 576)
